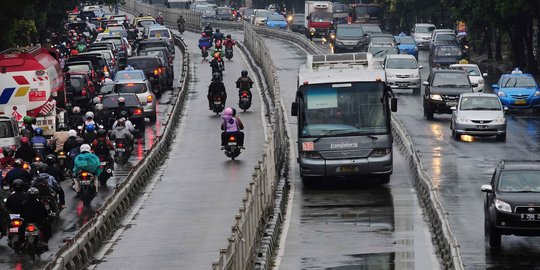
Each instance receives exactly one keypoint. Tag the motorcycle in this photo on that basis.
(122, 151)
(32, 244)
(5, 184)
(244, 103)
(181, 28)
(204, 52)
(13, 232)
(86, 185)
(106, 169)
(221, 65)
(232, 149)
(61, 156)
(51, 204)
(218, 104)
(228, 53)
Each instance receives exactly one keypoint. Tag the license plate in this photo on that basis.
(481, 127)
(451, 104)
(530, 217)
(244, 99)
(217, 102)
(347, 169)
(232, 143)
(85, 182)
(120, 149)
(520, 102)
(403, 84)
(14, 230)
(103, 163)
(31, 233)
(62, 156)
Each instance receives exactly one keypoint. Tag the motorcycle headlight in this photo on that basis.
(311, 155)
(500, 120)
(435, 97)
(503, 206)
(537, 93)
(501, 94)
(462, 119)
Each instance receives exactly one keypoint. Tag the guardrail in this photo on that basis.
(76, 252)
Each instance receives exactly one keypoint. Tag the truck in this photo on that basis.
(343, 107)
(32, 83)
(319, 18)
(372, 13)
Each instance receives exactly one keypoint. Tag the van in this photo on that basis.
(9, 132)
(445, 53)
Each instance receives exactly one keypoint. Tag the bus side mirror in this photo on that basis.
(294, 109)
(393, 104)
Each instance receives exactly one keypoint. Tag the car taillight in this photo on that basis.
(157, 71)
(31, 228)
(149, 99)
(137, 112)
(16, 223)
(83, 92)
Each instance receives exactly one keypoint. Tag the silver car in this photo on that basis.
(421, 33)
(474, 74)
(134, 81)
(478, 114)
(402, 72)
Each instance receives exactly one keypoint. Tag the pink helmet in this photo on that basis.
(228, 111)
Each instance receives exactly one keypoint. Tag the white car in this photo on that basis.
(421, 33)
(402, 72)
(260, 16)
(475, 75)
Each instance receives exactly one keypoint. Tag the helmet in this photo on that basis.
(76, 109)
(33, 191)
(42, 168)
(102, 132)
(27, 119)
(18, 162)
(244, 73)
(24, 140)
(121, 100)
(203, 34)
(90, 128)
(38, 132)
(18, 184)
(123, 114)
(72, 133)
(216, 76)
(96, 100)
(50, 159)
(99, 107)
(85, 148)
(89, 115)
(229, 36)
(7, 151)
(228, 111)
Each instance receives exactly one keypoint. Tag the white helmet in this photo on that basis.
(72, 133)
(85, 148)
(99, 107)
(89, 114)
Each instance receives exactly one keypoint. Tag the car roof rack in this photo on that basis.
(505, 162)
(328, 60)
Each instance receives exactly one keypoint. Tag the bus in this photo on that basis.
(343, 107)
(367, 13)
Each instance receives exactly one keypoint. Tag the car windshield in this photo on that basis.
(135, 88)
(480, 104)
(471, 70)
(77, 83)
(6, 129)
(401, 63)
(377, 39)
(112, 101)
(321, 17)
(379, 52)
(371, 28)
(518, 81)
(448, 51)
(120, 76)
(78, 68)
(405, 40)
(152, 53)
(116, 41)
(445, 37)
(276, 18)
(159, 33)
(111, 28)
(424, 29)
(349, 32)
(344, 109)
(224, 11)
(106, 88)
(145, 23)
(454, 79)
(340, 8)
(519, 181)
(141, 63)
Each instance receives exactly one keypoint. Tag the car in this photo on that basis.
(168, 60)
(442, 35)
(123, 47)
(407, 45)
(297, 23)
(81, 67)
(402, 72)
(156, 42)
(512, 204)
(442, 91)
(141, 22)
(518, 90)
(475, 75)
(160, 31)
(445, 53)
(478, 114)
(154, 69)
(9, 132)
(421, 33)
(99, 61)
(110, 103)
(134, 81)
(82, 89)
(382, 38)
(340, 12)
(260, 16)
(348, 38)
(276, 21)
(224, 14)
(368, 30)
(379, 52)
(105, 89)
(206, 11)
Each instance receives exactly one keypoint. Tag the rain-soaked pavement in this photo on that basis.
(188, 214)
(355, 224)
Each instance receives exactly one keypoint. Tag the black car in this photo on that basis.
(155, 42)
(168, 59)
(443, 88)
(99, 62)
(348, 38)
(512, 205)
(110, 103)
(154, 67)
(298, 23)
(445, 53)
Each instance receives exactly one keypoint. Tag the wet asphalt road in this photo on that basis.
(187, 215)
(74, 215)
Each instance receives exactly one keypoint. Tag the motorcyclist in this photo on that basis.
(102, 145)
(59, 138)
(71, 142)
(73, 152)
(15, 200)
(39, 142)
(218, 36)
(25, 151)
(18, 172)
(106, 78)
(121, 108)
(101, 117)
(45, 182)
(53, 168)
(76, 118)
(216, 63)
(129, 125)
(122, 132)
(180, 22)
(216, 88)
(205, 41)
(229, 42)
(28, 127)
(160, 19)
(208, 30)
(88, 162)
(90, 135)
(231, 125)
(7, 160)
(33, 211)
(244, 83)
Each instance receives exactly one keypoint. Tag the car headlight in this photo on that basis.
(501, 94)
(435, 97)
(379, 152)
(481, 81)
(415, 75)
(390, 75)
(502, 206)
(311, 155)
(415, 49)
(500, 120)
(537, 93)
(462, 119)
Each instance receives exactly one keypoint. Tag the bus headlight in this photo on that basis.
(311, 155)
(379, 152)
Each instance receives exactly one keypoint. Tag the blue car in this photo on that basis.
(407, 45)
(276, 21)
(518, 90)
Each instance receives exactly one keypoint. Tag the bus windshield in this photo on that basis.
(344, 109)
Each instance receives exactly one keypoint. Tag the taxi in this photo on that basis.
(518, 90)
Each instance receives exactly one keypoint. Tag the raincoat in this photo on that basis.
(87, 162)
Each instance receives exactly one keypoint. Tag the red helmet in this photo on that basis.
(203, 34)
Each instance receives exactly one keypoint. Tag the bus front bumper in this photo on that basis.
(346, 167)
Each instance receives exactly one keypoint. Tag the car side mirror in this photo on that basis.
(484, 74)
(487, 188)
(393, 104)
(420, 67)
(425, 83)
(453, 108)
(294, 109)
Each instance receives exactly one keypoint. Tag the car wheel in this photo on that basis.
(494, 237)
(427, 112)
(456, 135)
(501, 137)
(416, 91)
